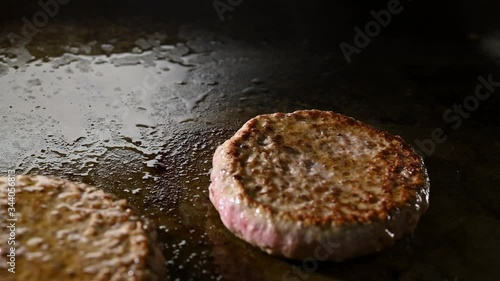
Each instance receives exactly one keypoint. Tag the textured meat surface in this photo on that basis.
(70, 231)
(286, 181)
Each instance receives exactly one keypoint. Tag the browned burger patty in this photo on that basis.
(317, 184)
(71, 231)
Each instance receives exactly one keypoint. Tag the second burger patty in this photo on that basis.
(290, 183)
(72, 231)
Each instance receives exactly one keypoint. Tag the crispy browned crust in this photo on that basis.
(73, 231)
(378, 185)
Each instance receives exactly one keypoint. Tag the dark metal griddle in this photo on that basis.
(134, 97)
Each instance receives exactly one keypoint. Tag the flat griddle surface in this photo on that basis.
(142, 120)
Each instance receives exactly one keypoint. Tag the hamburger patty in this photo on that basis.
(71, 231)
(317, 184)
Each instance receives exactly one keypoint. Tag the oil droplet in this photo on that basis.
(257, 81)
(108, 48)
(3, 69)
(194, 102)
(250, 90)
